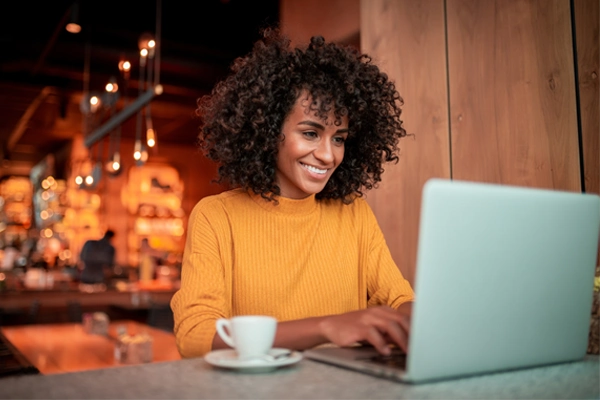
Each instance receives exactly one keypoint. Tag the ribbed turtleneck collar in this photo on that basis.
(287, 206)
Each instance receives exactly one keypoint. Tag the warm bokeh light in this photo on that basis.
(151, 46)
(65, 254)
(48, 183)
(94, 103)
(124, 66)
(73, 27)
(89, 180)
(115, 164)
(111, 87)
(78, 180)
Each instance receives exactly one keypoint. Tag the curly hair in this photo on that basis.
(241, 119)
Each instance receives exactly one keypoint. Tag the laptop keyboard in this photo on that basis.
(394, 360)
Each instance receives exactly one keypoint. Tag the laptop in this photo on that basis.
(504, 280)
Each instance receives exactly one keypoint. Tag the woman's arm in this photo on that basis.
(379, 326)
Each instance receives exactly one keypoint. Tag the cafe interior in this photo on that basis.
(97, 133)
(98, 129)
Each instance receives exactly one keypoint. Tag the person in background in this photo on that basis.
(97, 257)
(300, 134)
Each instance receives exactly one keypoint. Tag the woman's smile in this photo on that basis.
(315, 170)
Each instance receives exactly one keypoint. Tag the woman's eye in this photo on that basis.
(311, 134)
(339, 140)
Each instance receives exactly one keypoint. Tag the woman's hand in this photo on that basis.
(379, 326)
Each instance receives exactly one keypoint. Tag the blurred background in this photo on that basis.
(98, 127)
(46, 70)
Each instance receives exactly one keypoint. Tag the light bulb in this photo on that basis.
(116, 164)
(95, 103)
(111, 87)
(150, 137)
(73, 27)
(124, 65)
(137, 150)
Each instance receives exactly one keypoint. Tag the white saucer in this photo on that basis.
(228, 359)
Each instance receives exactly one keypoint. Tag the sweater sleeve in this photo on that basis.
(385, 283)
(204, 295)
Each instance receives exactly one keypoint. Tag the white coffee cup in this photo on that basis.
(251, 336)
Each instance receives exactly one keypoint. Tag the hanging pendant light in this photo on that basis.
(137, 150)
(73, 25)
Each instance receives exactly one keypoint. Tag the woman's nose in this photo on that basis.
(324, 151)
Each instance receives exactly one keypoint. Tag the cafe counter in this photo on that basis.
(195, 378)
(129, 295)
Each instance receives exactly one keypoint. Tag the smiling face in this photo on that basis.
(310, 152)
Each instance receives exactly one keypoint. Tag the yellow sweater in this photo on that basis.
(299, 259)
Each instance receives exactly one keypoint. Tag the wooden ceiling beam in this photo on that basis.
(24, 120)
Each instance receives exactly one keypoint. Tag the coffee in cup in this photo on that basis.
(251, 336)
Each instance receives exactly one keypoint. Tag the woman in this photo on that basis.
(299, 134)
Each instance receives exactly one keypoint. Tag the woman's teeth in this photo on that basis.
(314, 169)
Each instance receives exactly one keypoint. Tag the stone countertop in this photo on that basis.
(194, 378)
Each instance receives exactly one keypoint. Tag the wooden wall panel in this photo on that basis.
(587, 20)
(335, 20)
(406, 39)
(512, 94)
(587, 16)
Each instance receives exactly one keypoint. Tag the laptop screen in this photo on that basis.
(504, 277)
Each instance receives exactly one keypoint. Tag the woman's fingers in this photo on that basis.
(396, 334)
(379, 326)
(394, 327)
(376, 339)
